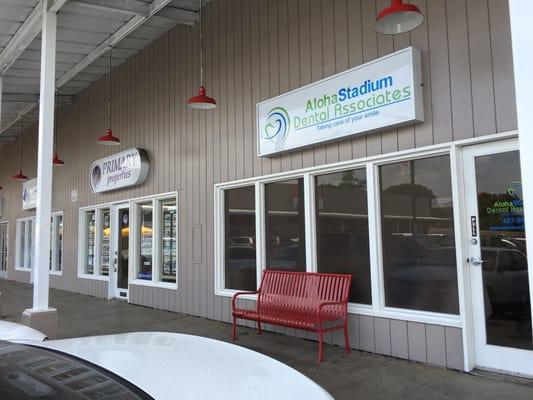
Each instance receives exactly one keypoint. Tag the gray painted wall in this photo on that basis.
(255, 50)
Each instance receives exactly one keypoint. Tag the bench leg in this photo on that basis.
(259, 330)
(320, 346)
(346, 339)
(234, 331)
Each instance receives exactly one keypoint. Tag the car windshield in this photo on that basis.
(29, 372)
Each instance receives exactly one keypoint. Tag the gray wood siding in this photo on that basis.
(255, 50)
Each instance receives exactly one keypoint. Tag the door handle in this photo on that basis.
(476, 260)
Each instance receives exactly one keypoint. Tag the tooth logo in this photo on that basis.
(277, 124)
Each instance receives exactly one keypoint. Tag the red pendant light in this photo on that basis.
(202, 101)
(398, 18)
(108, 139)
(56, 161)
(19, 176)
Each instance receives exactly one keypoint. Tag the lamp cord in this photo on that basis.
(21, 138)
(109, 92)
(201, 48)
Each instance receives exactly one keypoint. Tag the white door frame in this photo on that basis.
(113, 290)
(505, 359)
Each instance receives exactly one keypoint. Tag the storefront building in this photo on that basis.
(410, 179)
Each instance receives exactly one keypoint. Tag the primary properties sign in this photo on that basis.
(381, 94)
(120, 170)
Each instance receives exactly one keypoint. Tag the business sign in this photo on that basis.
(29, 194)
(381, 94)
(124, 169)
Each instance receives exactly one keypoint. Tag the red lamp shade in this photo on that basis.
(108, 139)
(57, 162)
(19, 177)
(398, 18)
(202, 101)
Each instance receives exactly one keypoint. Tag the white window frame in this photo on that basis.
(133, 250)
(55, 268)
(18, 240)
(82, 242)
(3, 274)
(371, 164)
(157, 224)
(53, 245)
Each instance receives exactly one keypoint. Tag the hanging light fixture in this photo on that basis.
(56, 161)
(19, 176)
(108, 138)
(398, 18)
(202, 101)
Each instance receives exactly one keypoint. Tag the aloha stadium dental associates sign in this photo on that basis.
(120, 170)
(381, 94)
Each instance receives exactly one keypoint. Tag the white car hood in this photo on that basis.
(173, 366)
(19, 333)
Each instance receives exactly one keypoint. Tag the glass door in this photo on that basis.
(497, 258)
(3, 250)
(121, 249)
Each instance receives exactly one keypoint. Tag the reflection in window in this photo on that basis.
(90, 223)
(168, 240)
(342, 229)
(503, 250)
(240, 243)
(285, 225)
(146, 244)
(105, 241)
(419, 263)
(3, 247)
(56, 242)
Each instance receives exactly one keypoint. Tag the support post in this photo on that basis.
(41, 316)
(520, 12)
(1, 89)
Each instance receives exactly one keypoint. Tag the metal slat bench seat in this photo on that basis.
(313, 302)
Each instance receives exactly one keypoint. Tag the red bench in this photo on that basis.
(309, 301)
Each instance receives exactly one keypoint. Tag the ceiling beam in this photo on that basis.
(32, 98)
(116, 37)
(126, 7)
(111, 41)
(28, 31)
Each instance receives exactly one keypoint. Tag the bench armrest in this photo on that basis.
(330, 303)
(234, 300)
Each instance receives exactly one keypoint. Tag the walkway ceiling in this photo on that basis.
(85, 30)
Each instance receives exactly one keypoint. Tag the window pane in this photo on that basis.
(21, 227)
(104, 245)
(90, 223)
(168, 240)
(342, 229)
(146, 233)
(285, 225)
(59, 242)
(240, 245)
(419, 263)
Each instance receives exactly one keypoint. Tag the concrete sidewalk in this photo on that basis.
(356, 376)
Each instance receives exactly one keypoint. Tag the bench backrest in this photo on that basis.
(301, 290)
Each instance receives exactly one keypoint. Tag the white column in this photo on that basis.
(1, 89)
(522, 43)
(44, 160)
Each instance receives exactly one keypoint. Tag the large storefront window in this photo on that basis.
(419, 263)
(3, 247)
(146, 216)
(342, 229)
(155, 241)
(169, 218)
(285, 225)
(240, 244)
(90, 244)
(105, 241)
(25, 243)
